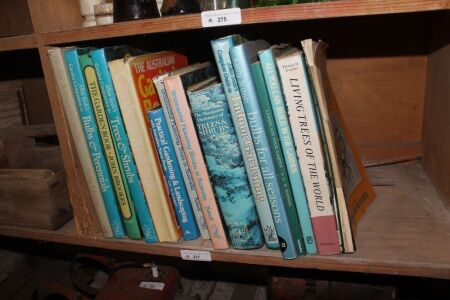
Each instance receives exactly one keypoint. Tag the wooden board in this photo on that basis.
(15, 18)
(406, 231)
(18, 42)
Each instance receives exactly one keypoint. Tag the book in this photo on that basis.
(92, 135)
(175, 86)
(265, 207)
(225, 164)
(301, 112)
(143, 148)
(353, 188)
(242, 56)
(172, 174)
(283, 128)
(124, 201)
(100, 58)
(298, 196)
(56, 56)
(186, 173)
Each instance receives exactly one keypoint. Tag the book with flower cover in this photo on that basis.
(225, 164)
(172, 174)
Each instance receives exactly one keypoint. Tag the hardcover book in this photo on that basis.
(283, 128)
(145, 155)
(353, 188)
(126, 205)
(186, 173)
(242, 56)
(224, 161)
(67, 97)
(100, 58)
(92, 135)
(175, 86)
(172, 174)
(301, 111)
(221, 49)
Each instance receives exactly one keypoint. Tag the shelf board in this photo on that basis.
(342, 8)
(18, 42)
(406, 231)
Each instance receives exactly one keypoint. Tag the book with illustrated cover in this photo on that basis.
(176, 86)
(100, 58)
(92, 136)
(225, 164)
(353, 189)
(181, 156)
(172, 174)
(266, 206)
(306, 134)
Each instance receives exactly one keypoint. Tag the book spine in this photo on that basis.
(266, 206)
(287, 145)
(56, 56)
(187, 176)
(265, 156)
(86, 114)
(123, 196)
(153, 184)
(122, 146)
(307, 140)
(226, 166)
(191, 146)
(172, 174)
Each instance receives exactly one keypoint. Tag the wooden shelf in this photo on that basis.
(406, 231)
(18, 42)
(343, 8)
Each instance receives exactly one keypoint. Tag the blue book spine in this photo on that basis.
(241, 64)
(287, 144)
(226, 167)
(122, 145)
(93, 139)
(172, 174)
(267, 206)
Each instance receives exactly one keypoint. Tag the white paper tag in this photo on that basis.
(222, 17)
(152, 285)
(196, 255)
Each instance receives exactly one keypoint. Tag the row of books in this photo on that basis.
(251, 150)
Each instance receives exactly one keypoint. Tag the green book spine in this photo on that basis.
(117, 174)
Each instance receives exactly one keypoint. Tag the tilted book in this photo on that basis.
(155, 188)
(172, 174)
(301, 111)
(353, 188)
(92, 136)
(68, 101)
(186, 173)
(283, 128)
(124, 200)
(100, 58)
(242, 56)
(224, 161)
(221, 49)
(175, 87)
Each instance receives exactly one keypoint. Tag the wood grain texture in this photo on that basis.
(59, 14)
(281, 13)
(406, 231)
(15, 18)
(18, 42)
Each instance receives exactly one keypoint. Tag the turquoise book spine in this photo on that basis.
(275, 93)
(172, 174)
(93, 140)
(226, 167)
(267, 207)
(122, 145)
(242, 56)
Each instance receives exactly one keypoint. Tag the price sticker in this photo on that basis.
(196, 255)
(152, 285)
(222, 17)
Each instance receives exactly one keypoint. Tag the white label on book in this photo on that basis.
(196, 255)
(221, 17)
(152, 285)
